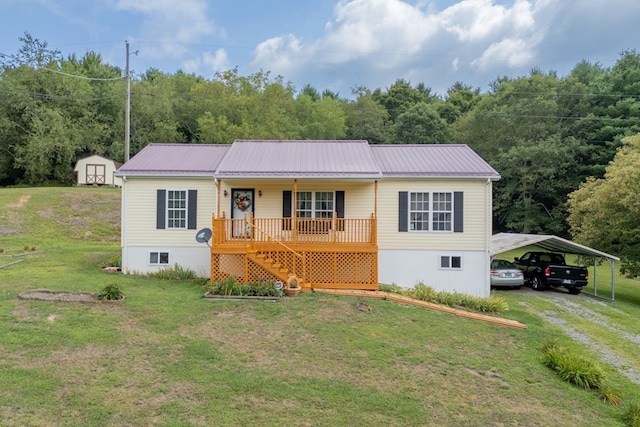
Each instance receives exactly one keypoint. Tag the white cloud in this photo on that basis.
(171, 24)
(375, 42)
(208, 64)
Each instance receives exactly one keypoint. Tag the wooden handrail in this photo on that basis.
(270, 238)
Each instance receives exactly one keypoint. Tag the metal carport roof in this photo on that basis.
(503, 242)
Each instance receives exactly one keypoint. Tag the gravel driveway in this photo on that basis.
(581, 306)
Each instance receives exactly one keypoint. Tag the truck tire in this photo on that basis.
(536, 284)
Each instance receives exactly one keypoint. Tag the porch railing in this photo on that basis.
(286, 231)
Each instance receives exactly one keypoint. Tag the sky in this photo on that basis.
(334, 44)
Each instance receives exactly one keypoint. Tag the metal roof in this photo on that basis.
(435, 160)
(175, 159)
(503, 242)
(309, 158)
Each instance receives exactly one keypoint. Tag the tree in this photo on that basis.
(605, 213)
(366, 119)
(459, 101)
(420, 124)
(530, 197)
(400, 97)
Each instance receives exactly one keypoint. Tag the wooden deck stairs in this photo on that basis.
(272, 266)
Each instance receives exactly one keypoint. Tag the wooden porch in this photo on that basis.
(337, 253)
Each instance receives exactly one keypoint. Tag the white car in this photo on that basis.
(505, 274)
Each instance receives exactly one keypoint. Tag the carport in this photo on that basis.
(504, 242)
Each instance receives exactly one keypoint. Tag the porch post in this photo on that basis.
(218, 203)
(294, 219)
(375, 198)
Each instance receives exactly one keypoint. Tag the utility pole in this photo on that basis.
(127, 110)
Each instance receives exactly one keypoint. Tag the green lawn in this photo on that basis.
(167, 357)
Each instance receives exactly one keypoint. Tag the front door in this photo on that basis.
(241, 206)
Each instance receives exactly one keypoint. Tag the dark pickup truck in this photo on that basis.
(542, 269)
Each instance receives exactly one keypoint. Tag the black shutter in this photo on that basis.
(340, 210)
(403, 211)
(458, 212)
(192, 210)
(286, 209)
(161, 209)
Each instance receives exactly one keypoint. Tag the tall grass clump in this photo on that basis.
(231, 287)
(495, 305)
(176, 272)
(631, 415)
(572, 367)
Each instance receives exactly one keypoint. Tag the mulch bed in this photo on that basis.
(46, 295)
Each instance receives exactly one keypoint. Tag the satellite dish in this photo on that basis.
(204, 235)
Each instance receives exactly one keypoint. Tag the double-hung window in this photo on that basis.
(176, 209)
(319, 204)
(431, 211)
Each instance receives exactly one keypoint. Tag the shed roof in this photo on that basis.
(175, 159)
(449, 160)
(503, 242)
(96, 157)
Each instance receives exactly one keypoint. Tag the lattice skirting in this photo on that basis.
(323, 269)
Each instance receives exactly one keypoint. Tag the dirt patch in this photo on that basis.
(21, 202)
(46, 295)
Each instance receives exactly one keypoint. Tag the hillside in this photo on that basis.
(166, 356)
(36, 215)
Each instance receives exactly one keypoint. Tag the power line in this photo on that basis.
(81, 77)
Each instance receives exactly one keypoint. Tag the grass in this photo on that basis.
(165, 356)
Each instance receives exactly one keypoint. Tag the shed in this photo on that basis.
(503, 242)
(97, 170)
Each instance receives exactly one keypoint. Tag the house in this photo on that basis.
(334, 214)
(97, 170)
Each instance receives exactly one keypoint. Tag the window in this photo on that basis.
(177, 209)
(315, 205)
(159, 258)
(451, 262)
(431, 211)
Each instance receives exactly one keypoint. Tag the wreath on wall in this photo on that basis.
(242, 202)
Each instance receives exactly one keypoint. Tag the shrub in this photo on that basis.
(631, 415)
(110, 293)
(114, 261)
(229, 286)
(572, 367)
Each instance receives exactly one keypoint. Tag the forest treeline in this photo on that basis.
(547, 135)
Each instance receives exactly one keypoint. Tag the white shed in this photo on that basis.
(97, 170)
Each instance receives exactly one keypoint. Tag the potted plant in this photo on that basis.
(292, 287)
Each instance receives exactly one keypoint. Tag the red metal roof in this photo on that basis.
(321, 159)
(175, 159)
(447, 160)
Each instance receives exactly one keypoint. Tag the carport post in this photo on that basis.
(595, 278)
